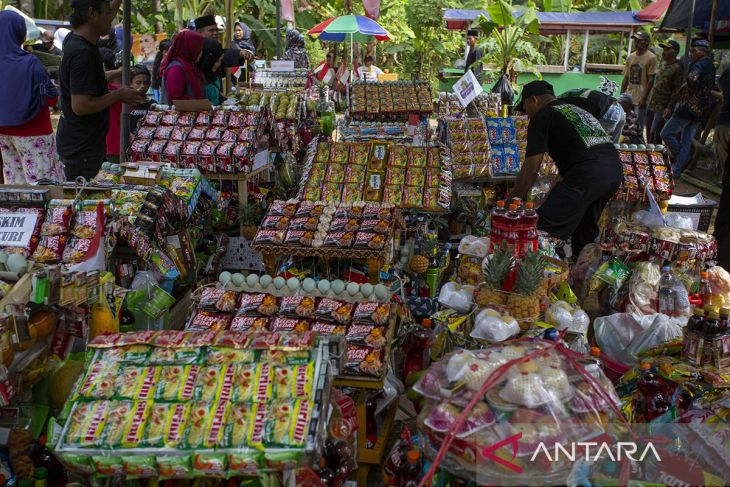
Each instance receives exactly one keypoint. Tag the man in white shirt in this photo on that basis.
(369, 72)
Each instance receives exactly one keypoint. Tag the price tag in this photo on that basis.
(375, 181)
(379, 152)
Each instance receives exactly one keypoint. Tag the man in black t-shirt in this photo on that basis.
(587, 162)
(85, 97)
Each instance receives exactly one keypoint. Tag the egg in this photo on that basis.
(366, 289)
(624, 146)
(308, 285)
(224, 277)
(279, 282)
(381, 292)
(659, 147)
(265, 280)
(252, 279)
(323, 286)
(237, 279)
(641, 147)
(292, 283)
(632, 147)
(338, 286)
(617, 146)
(353, 288)
(650, 147)
(16, 263)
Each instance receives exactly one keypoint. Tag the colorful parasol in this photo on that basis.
(353, 28)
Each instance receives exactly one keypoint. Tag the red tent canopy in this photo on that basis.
(654, 11)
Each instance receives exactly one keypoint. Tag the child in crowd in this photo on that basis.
(632, 132)
(156, 78)
(140, 80)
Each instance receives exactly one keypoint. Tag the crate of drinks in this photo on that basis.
(703, 348)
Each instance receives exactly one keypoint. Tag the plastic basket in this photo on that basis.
(704, 211)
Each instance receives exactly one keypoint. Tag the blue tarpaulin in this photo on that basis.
(677, 16)
(555, 21)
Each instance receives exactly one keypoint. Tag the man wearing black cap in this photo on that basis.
(207, 26)
(85, 97)
(664, 88)
(474, 57)
(586, 159)
(639, 69)
(691, 106)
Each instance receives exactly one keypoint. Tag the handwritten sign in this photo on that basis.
(16, 229)
(467, 88)
(282, 65)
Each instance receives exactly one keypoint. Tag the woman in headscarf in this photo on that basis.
(295, 50)
(156, 78)
(27, 144)
(181, 78)
(210, 64)
(242, 37)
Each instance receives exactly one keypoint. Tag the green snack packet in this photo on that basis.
(210, 464)
(108, 466)
(78, 463)
(285, 460)
(246, 462)
(239, 419)
(173, 467)
(615, 274)
(137, 467)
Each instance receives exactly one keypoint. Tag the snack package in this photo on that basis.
(242, 323)
(287, 424)
(393, 194)
(57, 221)
(355, 173)
(413, 196)
(236, 430)
(334, 311)
(369, 241)
(208, 383)
(175, 424)
(362, 360)
(293, 382)
(75, 250)
(281, 324)
(176, 382)
(99, 381)
(372, 312)
(258, 304)
(304, 223)
(339, 239)
(376, 226)
(86, 424)
(270, 237)
(298, 306)
(245, 381)
(136, 383)
(204, 320)
(49, 249)
(367, 335)
(344, 225)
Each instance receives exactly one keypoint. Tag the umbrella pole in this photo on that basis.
(126, 50)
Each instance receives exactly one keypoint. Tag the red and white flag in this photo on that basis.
(324, 73)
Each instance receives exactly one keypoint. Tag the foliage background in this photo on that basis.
(421, 44)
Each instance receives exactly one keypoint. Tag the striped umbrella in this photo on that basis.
(353, 28)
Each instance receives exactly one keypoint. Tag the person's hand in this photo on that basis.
(667, 113)
(130, 96)
(247, 55)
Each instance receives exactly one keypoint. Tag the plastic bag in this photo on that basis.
(676, 220)
(563, 316)
(492, 326)
(456, 296)
(504, 88)
(642, 288)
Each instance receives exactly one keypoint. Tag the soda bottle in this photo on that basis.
(511, 223)
(653, 398)
(495, 235)
(665, 295)
(412, 468)
(705, 288)
(529, 223)
(416, 358)
(696, 321)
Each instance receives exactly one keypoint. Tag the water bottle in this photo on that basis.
(665, 296)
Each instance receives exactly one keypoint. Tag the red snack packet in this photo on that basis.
(368, 335)
(325, 328)
(298, 306)
(50, 249)
(270, 236)
(369, 241)
(76, 249)
(204, 320)
(377, 226)
(243, 323)
(258, 304)
(281, 324)
(364, 361)
(299, 237)
(85, 224)
(339, 239)
(334, 310)
(372, 312)
(57, 221)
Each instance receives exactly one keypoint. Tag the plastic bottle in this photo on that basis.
(711, 325)
(529, 232)
(705, 288)
(666, 293)
(498, 213)
(724, 320)
(371, 425)
(652, 388)
(696, 321)
(512, 221)
(412, 469)
(416, 358)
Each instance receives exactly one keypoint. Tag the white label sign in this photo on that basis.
(279, 65)
(467, 88)
(16, 229)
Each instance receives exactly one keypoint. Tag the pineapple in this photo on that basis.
(525, 303)
(418, 264)
(496, 269)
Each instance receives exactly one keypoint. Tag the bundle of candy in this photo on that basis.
(220, 141)
(390, 98)
(488, 104)
(468, 140)
(531, 395)
(362, 225)
(666, 243)
(403, 176)
(503, 137)
(178, 404)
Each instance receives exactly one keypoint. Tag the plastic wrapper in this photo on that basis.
(457, 297)
(528, 387)
(563, 316)
(489, 325)
(259, 304)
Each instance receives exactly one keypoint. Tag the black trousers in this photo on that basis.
(574, 206)
(722, 220)
(86, 167)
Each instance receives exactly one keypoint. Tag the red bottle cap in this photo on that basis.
(595, 351)
(413, 456)
(645, 366)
